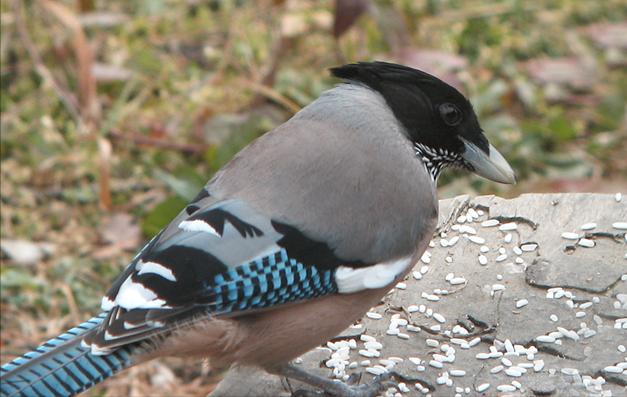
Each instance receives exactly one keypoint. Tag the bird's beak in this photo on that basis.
(492, 166)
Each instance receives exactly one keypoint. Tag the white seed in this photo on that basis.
(517, 384)
(435, 328)
(620, 225)
(475, 341)
(509, 347)
(476, 239)
(417, 275)
(367, 338)
(580, 314)
(374, 316)
(376, 370)
(499, 277)
(570, 236)
(496, 369)
(467, 229)
(412, 308)
(457, 280)
(553, 317)
(432, 343)
(368, 353)
(449, 276)
(506, 388)
(415, 360)
(517, 250)
(521, 303)
(413, 328)
(392, 331)
(490, 223)
(613, 369)
(402, 387)
(483, 387)
(545, 338)
(568, 333)
(484, 249)
(519, 260)
(528, 247)
(436, 364)
(373, 345)
(508, 238)
(618, 197)
(448, 259)
(589, 333)
(584, 242)
(472, 213)
(508, 227)
(483, 260)
(402, 336)
(501, 257)
(569, 371)
(424, 269)
(538, 365)
(443, 242)
(588, 226)
(401, 286)
(430, 297)
(514, 372)
(506, 362)
(498, 287)
(439, 318)
(364, 363)
(457, 372)
(585, 305)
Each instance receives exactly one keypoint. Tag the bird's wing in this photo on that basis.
(218, 257)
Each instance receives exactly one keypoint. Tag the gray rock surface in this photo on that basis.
(555, 288)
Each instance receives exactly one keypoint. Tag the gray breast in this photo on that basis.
(343, 172)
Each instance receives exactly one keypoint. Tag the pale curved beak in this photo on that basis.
(493, 166)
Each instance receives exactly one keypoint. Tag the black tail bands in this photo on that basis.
(61, 366)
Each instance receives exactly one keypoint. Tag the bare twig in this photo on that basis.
(274, 95)
(159, 143)
(89, 106)
(68, 100)
(104, 171)
(71, 302)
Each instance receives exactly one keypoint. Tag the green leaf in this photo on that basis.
(562, 128)
(186, 183)
(161, 215)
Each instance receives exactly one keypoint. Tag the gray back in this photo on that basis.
(343, 172)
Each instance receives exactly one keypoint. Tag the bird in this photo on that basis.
(293, 240)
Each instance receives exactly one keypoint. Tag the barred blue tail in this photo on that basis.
(61, 366)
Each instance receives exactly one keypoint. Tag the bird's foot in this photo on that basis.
(333, 388)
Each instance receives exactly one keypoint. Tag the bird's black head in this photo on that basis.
(438, 119)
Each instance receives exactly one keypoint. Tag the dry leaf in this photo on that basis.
(570, 72)
(346, 13)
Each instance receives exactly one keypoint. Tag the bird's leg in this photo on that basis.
(333, 388)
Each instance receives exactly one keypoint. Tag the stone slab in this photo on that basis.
(513, 298)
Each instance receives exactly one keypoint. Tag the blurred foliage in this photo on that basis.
(181, 86)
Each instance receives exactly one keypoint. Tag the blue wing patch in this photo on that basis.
(217, 257)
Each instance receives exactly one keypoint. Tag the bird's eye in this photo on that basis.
(451, 115)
